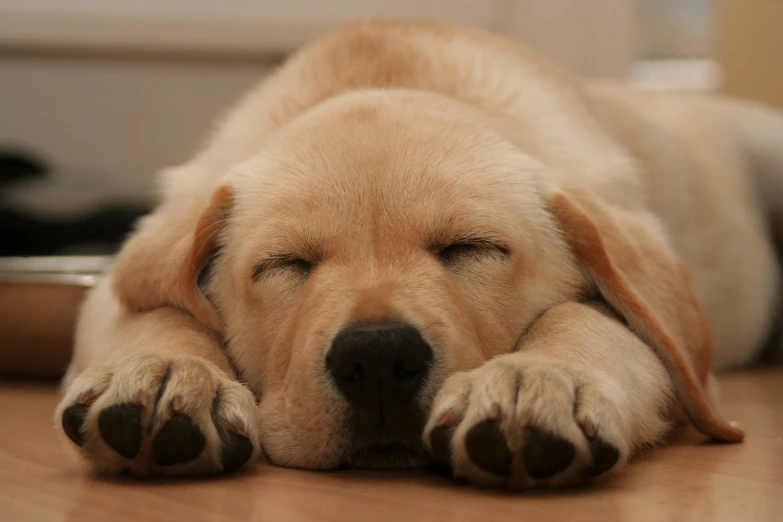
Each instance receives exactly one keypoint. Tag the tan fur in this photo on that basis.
(379, 144)
(647, 285)
(573, 349)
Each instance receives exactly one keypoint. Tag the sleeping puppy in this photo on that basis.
(417, 242)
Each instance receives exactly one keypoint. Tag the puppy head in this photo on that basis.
(380, 243)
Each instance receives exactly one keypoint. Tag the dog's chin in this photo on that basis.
(391, 456)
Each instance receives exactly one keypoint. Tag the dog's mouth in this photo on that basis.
(387, 456)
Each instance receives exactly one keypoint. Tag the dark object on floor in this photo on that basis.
(25, 234)
(15, 166)
(97, 229)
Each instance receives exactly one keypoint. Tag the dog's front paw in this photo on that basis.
(159, 415)
(523, 420)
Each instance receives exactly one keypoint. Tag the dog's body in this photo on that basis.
(443, 181)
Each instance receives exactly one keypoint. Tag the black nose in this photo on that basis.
(379, 367)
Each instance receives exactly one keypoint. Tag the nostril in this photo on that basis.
(346, 371)
(405, 370)
(356, 374)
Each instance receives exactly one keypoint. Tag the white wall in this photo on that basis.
(115, 122)
(331, 11)
(122, 88)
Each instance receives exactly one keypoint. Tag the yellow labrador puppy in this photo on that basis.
(419, 241)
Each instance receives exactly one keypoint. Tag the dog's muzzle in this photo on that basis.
(380, 369)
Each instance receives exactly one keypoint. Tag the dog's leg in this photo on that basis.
(154, 393)
(581, 395)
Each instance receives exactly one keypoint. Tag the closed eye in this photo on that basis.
(278, 262)
(470, 248)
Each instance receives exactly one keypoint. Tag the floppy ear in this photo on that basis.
(160, 264)
(648, 285)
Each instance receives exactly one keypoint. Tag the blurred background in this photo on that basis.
(96, 96)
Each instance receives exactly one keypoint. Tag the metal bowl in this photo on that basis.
(39, 302)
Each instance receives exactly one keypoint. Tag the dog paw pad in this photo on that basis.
(120, 427)
(546, 454)
(237, 450)
(179, 440)
(605, 456)
(488, 449)
(72, 421)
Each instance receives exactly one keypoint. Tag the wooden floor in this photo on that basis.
(41, 481)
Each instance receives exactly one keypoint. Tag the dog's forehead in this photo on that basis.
(393, 143)
(405, 169)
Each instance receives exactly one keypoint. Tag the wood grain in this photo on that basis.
(685, 481)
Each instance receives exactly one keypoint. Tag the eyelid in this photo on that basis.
(470, 244)
(278, 262)
(485, 243)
